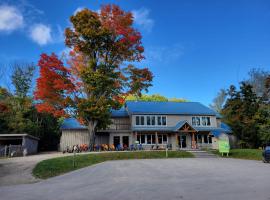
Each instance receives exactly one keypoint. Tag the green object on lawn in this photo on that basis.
(223, 146)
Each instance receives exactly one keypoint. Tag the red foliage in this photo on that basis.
(53, 85)
(127, 39)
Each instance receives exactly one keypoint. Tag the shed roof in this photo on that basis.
(19, 135)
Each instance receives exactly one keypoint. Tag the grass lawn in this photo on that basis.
(249, 154)
(56, 166)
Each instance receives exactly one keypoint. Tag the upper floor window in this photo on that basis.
(151, 120)
(201, 121)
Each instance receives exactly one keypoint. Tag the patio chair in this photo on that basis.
(131, 147)
(140, 147)
(111, 147)
(119, 147)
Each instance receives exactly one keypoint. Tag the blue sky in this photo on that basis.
(194, 48)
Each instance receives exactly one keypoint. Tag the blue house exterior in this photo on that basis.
(154, 125)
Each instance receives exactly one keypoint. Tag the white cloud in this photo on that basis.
(10, 18)
(141, 18)
(164, 54)
(78, 10)
(41, 34)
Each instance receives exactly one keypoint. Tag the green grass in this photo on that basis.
(249, 154)
(56, 166)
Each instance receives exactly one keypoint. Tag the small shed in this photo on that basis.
(19, 143)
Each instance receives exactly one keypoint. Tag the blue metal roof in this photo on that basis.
(71, 123)
(226, 127)
(173, 108)
(120, 113)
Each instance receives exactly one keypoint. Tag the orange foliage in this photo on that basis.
(53, 85)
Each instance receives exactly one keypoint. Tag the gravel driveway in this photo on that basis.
(18, 170)
(169, 179)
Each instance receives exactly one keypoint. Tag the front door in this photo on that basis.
(125, 141)
(182, 141)
(116, 141)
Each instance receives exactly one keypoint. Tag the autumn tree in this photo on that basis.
(100, 74)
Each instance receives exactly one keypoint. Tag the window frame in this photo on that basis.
(152, 138)
(152, 119)
(204, 121)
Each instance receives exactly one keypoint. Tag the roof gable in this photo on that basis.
(184, 126)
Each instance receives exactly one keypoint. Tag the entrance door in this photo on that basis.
(116, 141)
(182, 141)
(125, 142)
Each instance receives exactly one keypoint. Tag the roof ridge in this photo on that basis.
(164, 101)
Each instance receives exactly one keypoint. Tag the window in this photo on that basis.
(193, 121)
(198, 121)
(148, 121)
(149, 139)
(159, 120)
(153, 139)
(164, 122)
(137, 120)
(142, 139)
(201, 121)
(153, 120)
(204, 121)
(165, 139)
(142, 120)
(160, 139)
(208, 121)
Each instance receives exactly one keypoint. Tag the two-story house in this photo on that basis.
(187, 125)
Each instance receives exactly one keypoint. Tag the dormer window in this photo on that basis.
(201, 121)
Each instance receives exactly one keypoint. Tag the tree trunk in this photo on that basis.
(91, 131)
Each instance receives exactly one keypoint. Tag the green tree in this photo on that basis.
(22, 78)
(239, 112)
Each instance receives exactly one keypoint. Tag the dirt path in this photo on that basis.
(18, 170)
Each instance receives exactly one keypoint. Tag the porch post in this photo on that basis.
(181, 141)
(193, 143)
(176, 141)
(135, 137)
